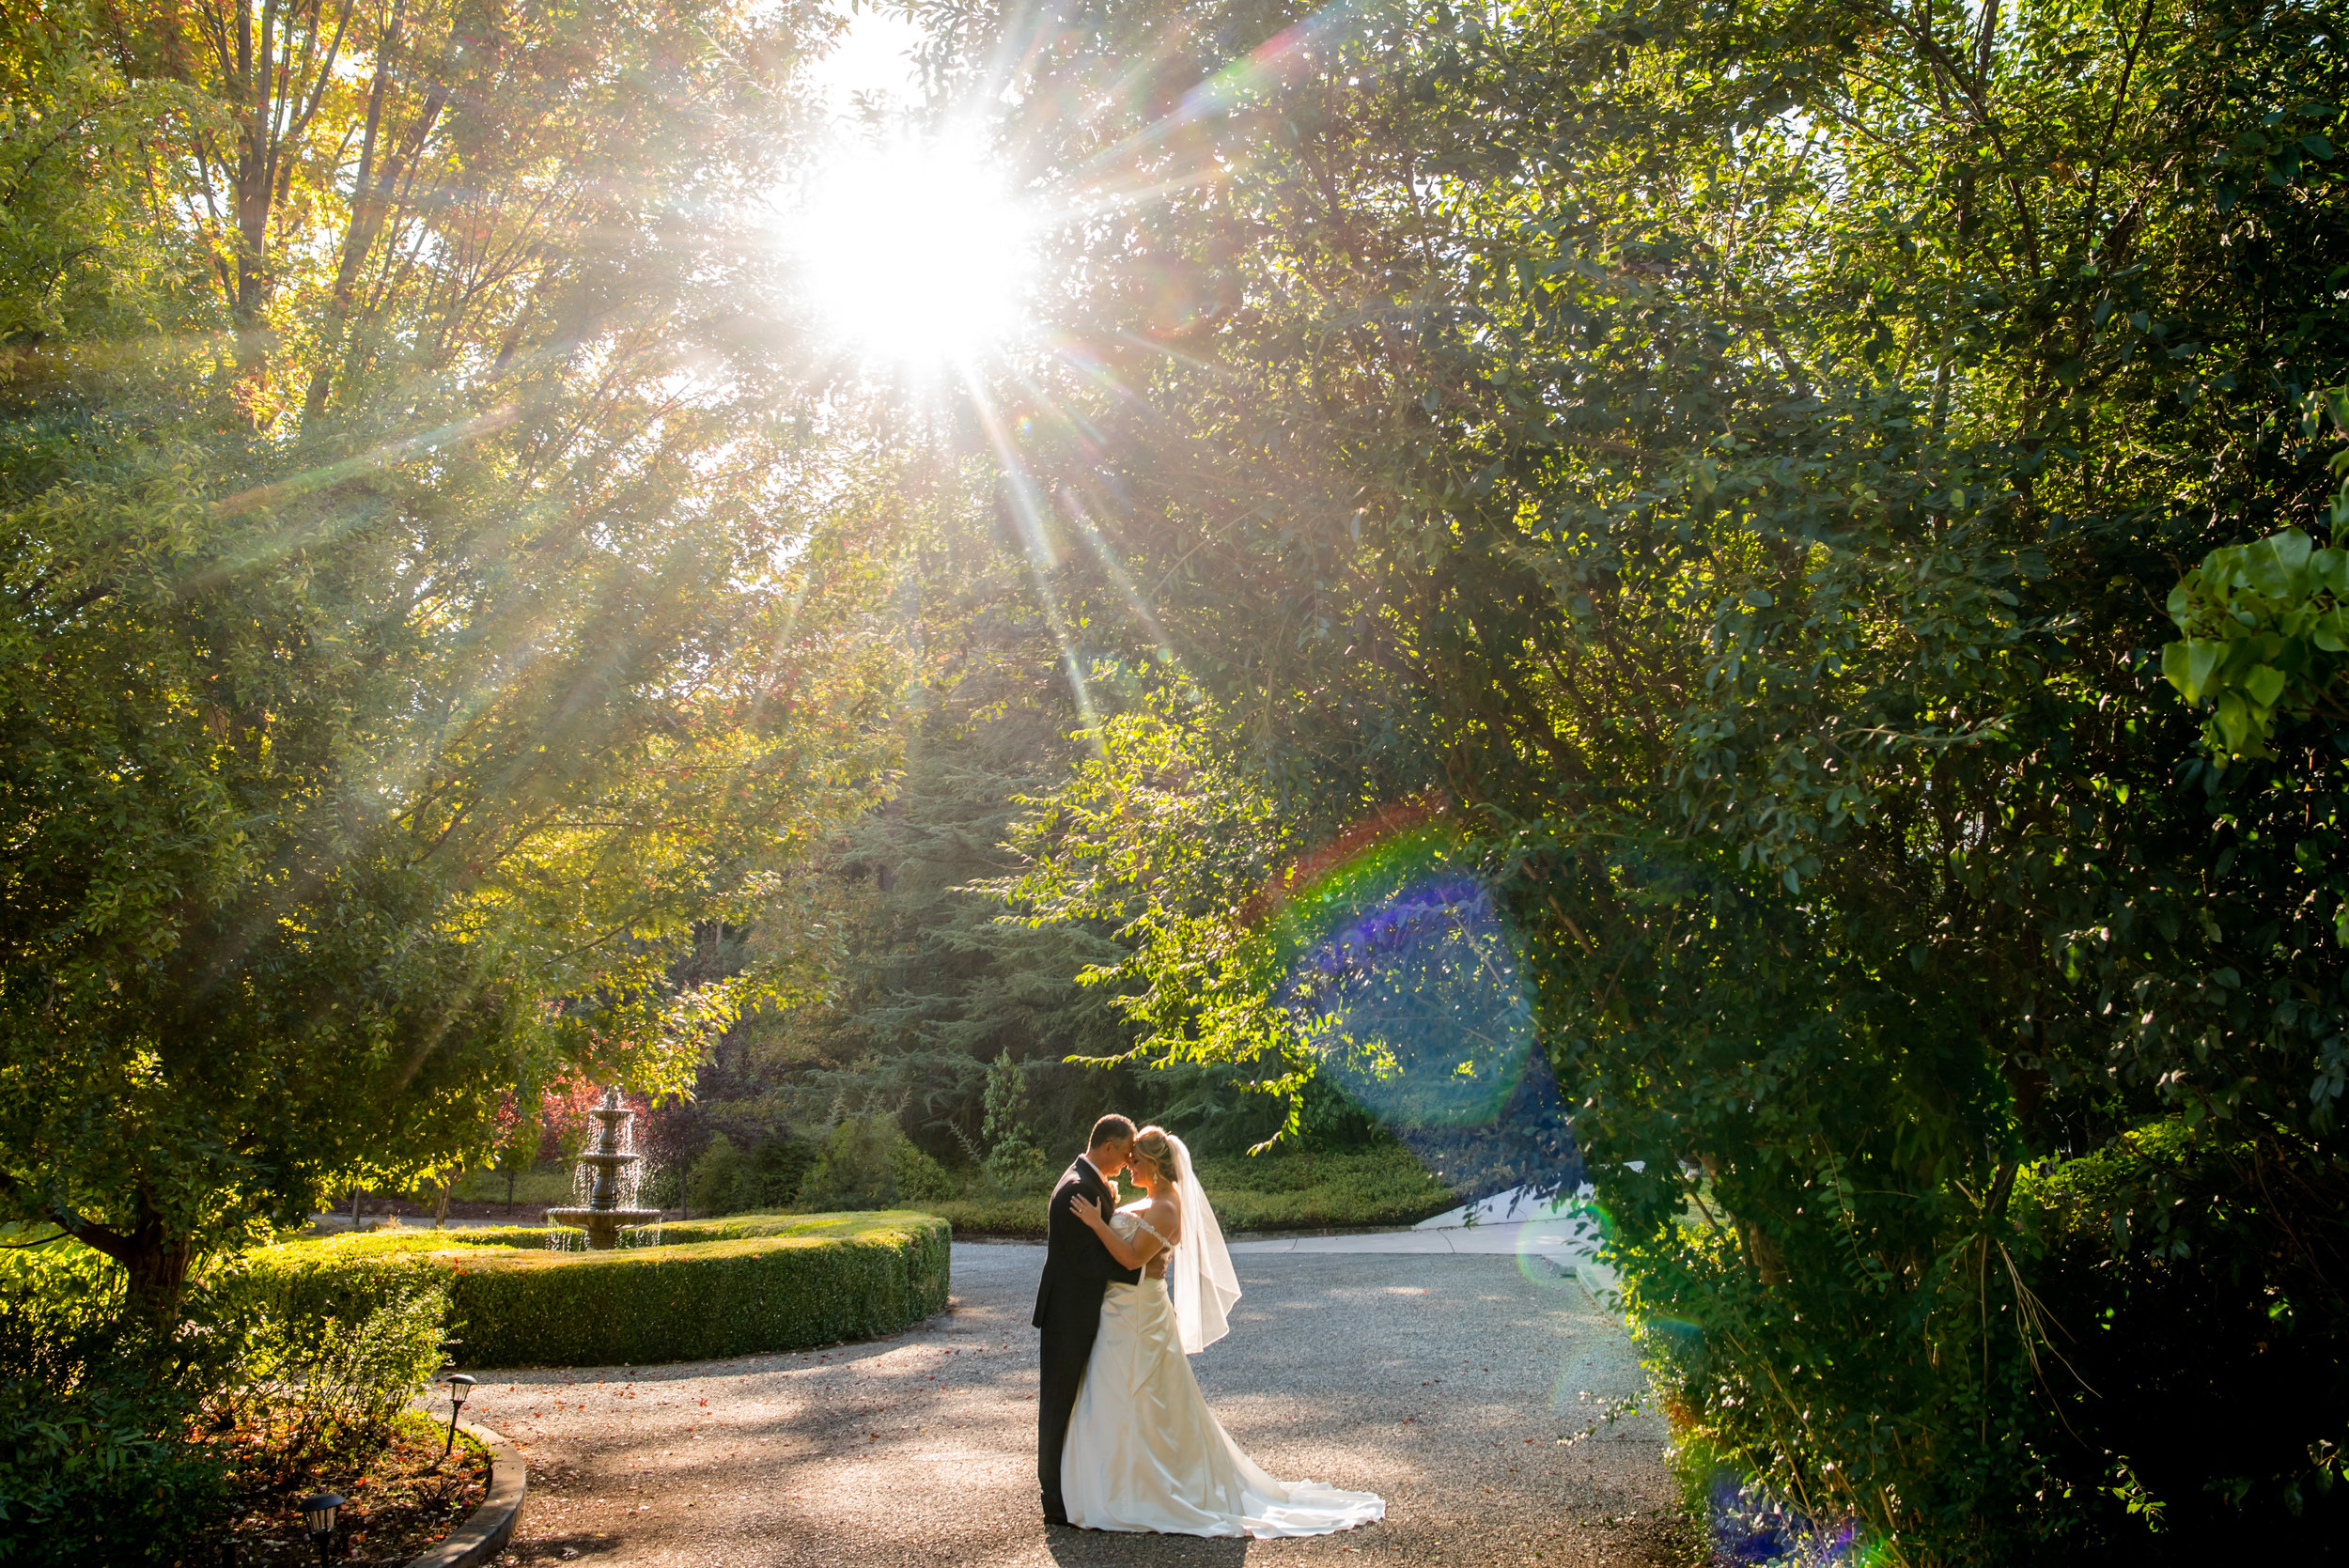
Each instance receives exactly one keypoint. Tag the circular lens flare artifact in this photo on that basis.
(1403, 970)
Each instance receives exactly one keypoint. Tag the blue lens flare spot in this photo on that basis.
(1751, 1524)
(1395, 961)
(1418, 1005)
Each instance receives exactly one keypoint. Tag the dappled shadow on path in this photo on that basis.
(1110, 1548)
(1455, 1386)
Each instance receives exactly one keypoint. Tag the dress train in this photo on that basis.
(1145, 1454)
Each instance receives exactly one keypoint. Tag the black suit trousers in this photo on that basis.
(1061, 1358)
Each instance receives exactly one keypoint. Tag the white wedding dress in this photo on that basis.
(1145, 1452)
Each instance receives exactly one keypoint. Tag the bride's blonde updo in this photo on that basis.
(1150, 1143)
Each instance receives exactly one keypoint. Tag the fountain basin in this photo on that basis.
(603, 1226)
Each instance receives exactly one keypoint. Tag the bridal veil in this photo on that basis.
(1200, 1278)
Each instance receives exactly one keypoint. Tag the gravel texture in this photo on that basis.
(1445, 1383)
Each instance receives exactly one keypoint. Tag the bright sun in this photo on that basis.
(918, 253)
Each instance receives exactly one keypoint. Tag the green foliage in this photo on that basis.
(108, 1417)
(858, 1167)
(336, 1374)
(714, 1288)
(1014, 1170)
(715, 1184)
(1739, 455)
(933, 984)
(2266, 623)
(1013, 1166)
(96, 1464)
(701, 1300)
(1153, 833)
(97, 1467)
(1004, 1103)
(398, 666)
(868, 1163)
(79, 256)
(2191, 1270)
(920, 1178)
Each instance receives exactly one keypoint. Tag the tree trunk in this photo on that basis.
(158, 1265)
(156, 1259)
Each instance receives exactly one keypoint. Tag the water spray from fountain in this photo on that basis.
(611, 1172)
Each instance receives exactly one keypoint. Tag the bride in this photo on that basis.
(1143, 1452)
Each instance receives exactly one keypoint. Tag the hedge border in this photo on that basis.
(826, 1279)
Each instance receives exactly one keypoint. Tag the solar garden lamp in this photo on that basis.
(459, 1388)
(318, 1511)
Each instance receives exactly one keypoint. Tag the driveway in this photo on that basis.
(1444, 1380)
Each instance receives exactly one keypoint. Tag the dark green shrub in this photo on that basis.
(1010, 1163)
(727, 1179)
(333, 1366)
(868, 1162)
(1329, 1120)
(1013, 1170)
(699, 1300)
(858, 1169)
(714, 1287)
(2156, 1372)
(920, 1178)
(715, 1183)
(94, 1463)
(2198, 1338)
(97, 1465)
(778, 1168)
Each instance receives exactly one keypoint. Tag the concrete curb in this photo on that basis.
(484, 1534)
(1599, 1281)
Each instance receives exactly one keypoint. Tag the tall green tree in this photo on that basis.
(418, 612)
(1742, 456)
(934, 981)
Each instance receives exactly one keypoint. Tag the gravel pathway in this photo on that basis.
(1443, 1382)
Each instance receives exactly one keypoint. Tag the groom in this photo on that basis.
(1077, 1270)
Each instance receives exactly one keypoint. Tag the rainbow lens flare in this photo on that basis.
(1406, 979)
(1389, 952)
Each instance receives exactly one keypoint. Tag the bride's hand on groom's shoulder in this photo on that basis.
(1085, 1209)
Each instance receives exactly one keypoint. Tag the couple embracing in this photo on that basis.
(1124, 1440)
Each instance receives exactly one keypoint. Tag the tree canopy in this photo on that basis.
(1742, 458)
(1785, 556)
(427, 596)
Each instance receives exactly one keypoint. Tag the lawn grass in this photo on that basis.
(546, 1181)
(1279, 1190)
(1282, 1190)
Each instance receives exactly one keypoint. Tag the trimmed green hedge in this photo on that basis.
(714, 1288)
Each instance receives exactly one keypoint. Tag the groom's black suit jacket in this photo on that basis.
(1077, 1273)
(1077, 1267)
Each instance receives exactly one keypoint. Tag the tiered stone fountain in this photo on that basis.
(611, 1187)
